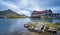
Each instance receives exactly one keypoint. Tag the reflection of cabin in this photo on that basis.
(44, 13)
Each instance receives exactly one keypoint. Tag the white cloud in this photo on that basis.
(55, 9)
(24, 12)
(9, 5)
(23, 4)
(18, 5)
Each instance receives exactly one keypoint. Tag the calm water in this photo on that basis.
(11, 25)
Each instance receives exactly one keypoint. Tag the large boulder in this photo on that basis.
(30, 25)
(40, 27)
(36, 26)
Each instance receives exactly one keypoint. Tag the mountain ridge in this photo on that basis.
(10, 14)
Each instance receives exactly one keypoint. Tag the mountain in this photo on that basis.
(9, 14)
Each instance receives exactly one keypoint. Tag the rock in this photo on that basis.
(58, 31)
(40, 27)
(27, 25)
(31, 28)
(36, 26)
(51, 29)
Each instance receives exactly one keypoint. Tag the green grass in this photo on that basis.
(48, 24)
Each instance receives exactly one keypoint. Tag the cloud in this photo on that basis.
(9, 5)
(27, 5)
(24, 12)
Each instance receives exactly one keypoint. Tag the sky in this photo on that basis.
(28, 6)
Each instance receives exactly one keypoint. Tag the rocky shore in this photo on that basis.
(43, 28)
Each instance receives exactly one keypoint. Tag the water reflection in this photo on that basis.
(45, 20)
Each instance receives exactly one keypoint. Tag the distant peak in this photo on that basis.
(9, 10)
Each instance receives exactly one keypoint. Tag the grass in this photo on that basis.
(48, 25)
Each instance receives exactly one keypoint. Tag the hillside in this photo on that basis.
(9, 14)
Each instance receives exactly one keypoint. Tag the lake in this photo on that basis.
(17, 25)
